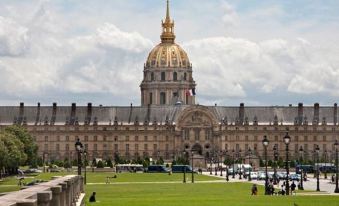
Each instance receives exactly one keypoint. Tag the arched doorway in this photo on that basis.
(197, 148)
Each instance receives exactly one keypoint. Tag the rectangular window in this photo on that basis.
(136, 138)
(46, 147)
(57, 147)
(46, 138)
(67, 138)
(116, 148)
(145, 147)
(127, 147)
(136, 147)
(167, 147)
(67, 147)
(162, 98)
(95, 138)
(155, 147)
(95, 147)
(151, 98)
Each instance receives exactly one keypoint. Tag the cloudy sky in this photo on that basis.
(272, 52)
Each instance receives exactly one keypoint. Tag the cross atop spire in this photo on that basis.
(167, 35)
(168, 18)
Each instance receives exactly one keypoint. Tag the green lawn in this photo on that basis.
(167, 190)
(213, 194)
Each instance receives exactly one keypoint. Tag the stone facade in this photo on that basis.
(164, 126)
(167, 131)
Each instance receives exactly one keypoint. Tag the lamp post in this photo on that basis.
(211, 161)
(78, 147)
(317, 149)
(287, 140)
(233, 172)
(249, 162)
(301, 152)
(184, 178)
(240, 173)
(275, 150)
(85, 179)
(192, 153)
(265, 143)
(216, 160)
(336, 166)
(221, 154)
(325, 158)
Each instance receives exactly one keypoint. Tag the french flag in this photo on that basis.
(190, 92)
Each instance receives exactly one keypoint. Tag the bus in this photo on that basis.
(129, 168)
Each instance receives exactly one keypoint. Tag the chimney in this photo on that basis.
(241, 113)
(335, 114)
(300, 113)
(72, 120)
(54, 113)
(316, 113)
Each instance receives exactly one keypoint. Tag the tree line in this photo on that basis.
(17, 148)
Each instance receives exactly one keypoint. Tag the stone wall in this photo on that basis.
(60, 191)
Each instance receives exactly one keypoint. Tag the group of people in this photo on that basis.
(271, 189)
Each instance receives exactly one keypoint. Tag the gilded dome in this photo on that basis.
(167, 55)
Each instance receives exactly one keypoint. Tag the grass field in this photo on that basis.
(143, 189)
(206, 194)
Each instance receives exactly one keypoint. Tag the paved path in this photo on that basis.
(325, 186)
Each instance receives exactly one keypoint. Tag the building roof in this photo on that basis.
(71, 115)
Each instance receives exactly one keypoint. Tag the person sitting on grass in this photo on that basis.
(92, 197)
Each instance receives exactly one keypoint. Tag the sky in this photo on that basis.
(259, 52)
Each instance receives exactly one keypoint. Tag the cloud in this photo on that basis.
(227, 67)
(230, 16)
(13, 38)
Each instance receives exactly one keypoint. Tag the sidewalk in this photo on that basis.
(326, 187)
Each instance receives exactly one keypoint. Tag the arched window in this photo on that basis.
(163, 76)
(152, 76)
(185, 76)
(175, 76)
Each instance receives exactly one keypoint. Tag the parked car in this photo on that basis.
(261, 175)
(254, 175)
(295, 177)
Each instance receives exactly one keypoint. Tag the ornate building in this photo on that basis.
(168, 122)
(167, 72)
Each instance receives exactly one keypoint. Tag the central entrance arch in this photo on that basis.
(197, 148)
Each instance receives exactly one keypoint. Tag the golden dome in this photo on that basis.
(167, 53)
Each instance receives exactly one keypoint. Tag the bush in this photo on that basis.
(109, 163)
(100, 164)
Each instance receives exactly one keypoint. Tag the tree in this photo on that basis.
(14, 152)
(30, 146)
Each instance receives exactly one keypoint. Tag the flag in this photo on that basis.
(190, 92)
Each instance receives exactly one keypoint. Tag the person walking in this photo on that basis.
(254, 189)
(293, 186)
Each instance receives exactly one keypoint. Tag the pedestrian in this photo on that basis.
(254, 189)
(92, 197)
(293, 186)
(333, 178)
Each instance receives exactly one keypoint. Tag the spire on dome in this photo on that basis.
(167, 35)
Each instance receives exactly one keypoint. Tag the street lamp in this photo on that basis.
(184, 178)
(240, 173)
(325, 158)
(249, 162)
(301, 152)
(265, 142)
(317, 149)
(233, 172)
(287, 140)
(192, 153)
(216, 160)
(275, 150)
(78, 147)
(85, 154)
(221, 154)
(336, 165)
(211, 161)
